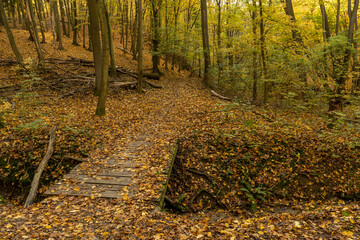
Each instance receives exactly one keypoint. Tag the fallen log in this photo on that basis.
(35, 183)
(220, 96)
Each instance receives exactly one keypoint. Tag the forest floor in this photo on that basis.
(182, 107)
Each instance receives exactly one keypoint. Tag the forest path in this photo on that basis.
(159, 117)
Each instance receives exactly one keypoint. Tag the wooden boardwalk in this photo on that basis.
(107, 178)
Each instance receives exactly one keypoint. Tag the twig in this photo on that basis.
(35, 183)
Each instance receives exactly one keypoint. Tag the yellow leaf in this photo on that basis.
(347, 233)
(77, 189)
(48, 227)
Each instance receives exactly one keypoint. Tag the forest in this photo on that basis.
(179, 119)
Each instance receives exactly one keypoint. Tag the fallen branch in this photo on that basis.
(123, 84)
(153, 76)
(35, 183)
(125, 51)
(153, 85)
(220, 96)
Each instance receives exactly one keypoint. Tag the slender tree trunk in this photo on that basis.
(57, 24)
(254, 60)
(205, 40)
(38, 11)
(62, 15)
(75, 24)
(262, 51)
(100, 110)
(96, 43)
(155, 6)
(325, 21)
(289, 11)
(31, 17)
(10, 35)
(111, 46)
(140, 49)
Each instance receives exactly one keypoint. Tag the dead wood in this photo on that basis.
(153, 76)
(124, 84)
(35, 183)
(220, 96)
(125, 51)
(153, 85)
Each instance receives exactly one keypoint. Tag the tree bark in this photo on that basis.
(205, 40)
(75, 24)
(31, 17)
(140, 49)
(57, 24)
(105, 51)
(325, 22)
(96, 42)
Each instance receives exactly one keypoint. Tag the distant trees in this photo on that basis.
(265, 51)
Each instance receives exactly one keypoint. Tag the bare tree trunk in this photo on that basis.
(263, 54)
(111, 46)
(254, 62)
(75, 24)
(205, 39)
(100, 109)
(325, 21)
(62, 15)
(38, 11)
(31, 17)
(95, 41)
(140, 49)
(57, 24)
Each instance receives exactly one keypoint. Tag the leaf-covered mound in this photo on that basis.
(235, 160)
(24, 139)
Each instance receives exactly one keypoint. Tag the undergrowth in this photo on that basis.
(243, 158)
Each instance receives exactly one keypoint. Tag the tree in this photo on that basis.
(140, 49)
(205, 40)
(9, 34)
(96, 42)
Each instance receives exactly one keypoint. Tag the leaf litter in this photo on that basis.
(269, 153)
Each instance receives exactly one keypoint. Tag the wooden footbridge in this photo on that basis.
(107, 178)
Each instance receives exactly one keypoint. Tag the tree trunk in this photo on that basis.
(111, 46)
(263, 54)
(10, 35)
(254, 60)
(57, 24)
(325, 21)
(337, 17)
(155, 6)
(75, 24)
(38, 11)
(31, 17)
(140, 49)
(96, 43)
(205, 40)
(62, 14)
(100, 110)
